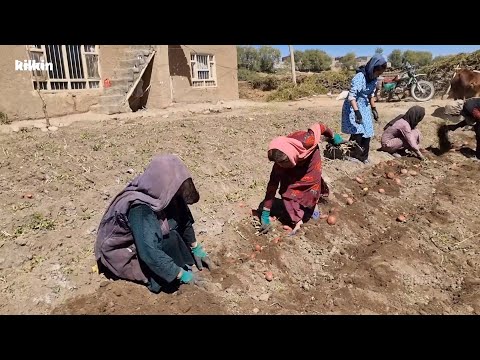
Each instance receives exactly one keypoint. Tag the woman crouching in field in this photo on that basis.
(297, 170)
(401, 133)
(146, 234)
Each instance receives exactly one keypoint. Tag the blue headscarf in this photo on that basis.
(367, 70)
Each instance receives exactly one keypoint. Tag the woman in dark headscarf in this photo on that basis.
(402, 134)
(469, 115)
(359, 109)
(146, 234)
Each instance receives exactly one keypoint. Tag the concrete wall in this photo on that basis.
(110, 56)
(21, 102)
(160, 95)
(180, 72)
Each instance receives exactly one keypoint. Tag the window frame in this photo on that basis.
(212, 70)
(44, 77)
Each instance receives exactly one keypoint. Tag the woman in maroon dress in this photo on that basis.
(298, 172)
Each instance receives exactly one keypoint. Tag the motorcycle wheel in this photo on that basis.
(426, 86)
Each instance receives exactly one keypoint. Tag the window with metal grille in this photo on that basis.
(203, 70)
(75, 67)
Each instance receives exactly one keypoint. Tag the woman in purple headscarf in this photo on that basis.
(359, 107)
(146, 234)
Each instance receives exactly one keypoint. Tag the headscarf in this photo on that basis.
(155, 187)
(470, 105)
(367, 70)
(293, 148)
(413, 116)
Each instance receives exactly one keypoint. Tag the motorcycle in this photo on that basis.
(420, 90)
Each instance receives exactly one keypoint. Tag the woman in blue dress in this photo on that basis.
(359, 109)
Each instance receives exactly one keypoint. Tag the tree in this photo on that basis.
(419, 58)
(247, 57)
(298, 55)
(268, 56)
(349, 61)
(316, 61)
(38, 89)
(378, 50)
(395, 58)
(441, 58)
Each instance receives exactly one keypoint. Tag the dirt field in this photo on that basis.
(55, 187)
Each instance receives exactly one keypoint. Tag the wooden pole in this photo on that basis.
(292, 60)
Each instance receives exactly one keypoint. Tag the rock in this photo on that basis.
(250, 118)
(256, 311)
(264, 297)
(52, 128)
(15, 128)
(43, 129)
(29, 256)
(470, 263)
(104, 283)
(306, 287)
(338, 302)
(21, 241)
(117, 292)
(210, 287)
(68, 236)
(218, 286)
(91, 231)
(130, 171)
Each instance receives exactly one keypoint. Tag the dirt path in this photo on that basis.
(366, 263)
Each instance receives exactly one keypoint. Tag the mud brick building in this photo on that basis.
(114, 78)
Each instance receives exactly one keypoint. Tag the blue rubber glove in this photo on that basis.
(200, 256)
(265, 220)
(265, 217)
(198, 251)
(190, 278)
(337, 139)
(187, 277)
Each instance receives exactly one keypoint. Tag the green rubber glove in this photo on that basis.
(200, 256)
(198, 251)
(265, 217)
(337, 139)
(187, 277)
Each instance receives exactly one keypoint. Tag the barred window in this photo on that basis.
(75, 67)
(203, 70)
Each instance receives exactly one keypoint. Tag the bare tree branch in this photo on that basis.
(44, 104)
